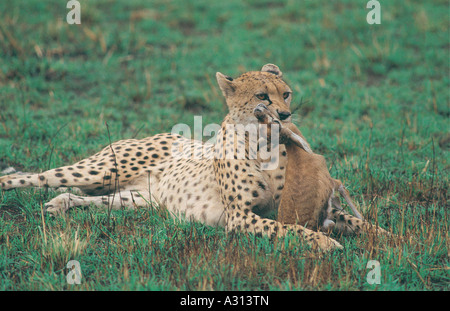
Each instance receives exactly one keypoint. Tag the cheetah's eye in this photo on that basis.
(286, 95)
(262, 96)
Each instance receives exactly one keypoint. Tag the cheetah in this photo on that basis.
(309, 194)
(212, 186)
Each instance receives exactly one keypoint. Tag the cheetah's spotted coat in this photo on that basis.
(234, 193)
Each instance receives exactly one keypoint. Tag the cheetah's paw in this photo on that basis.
(58, 205)
(325, 243)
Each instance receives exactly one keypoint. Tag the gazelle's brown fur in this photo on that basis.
(309, 196)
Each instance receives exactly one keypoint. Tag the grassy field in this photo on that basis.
(373, 99)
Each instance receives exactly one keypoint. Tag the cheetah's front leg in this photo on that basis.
(241, 195)
(252, 223)
(347, 224)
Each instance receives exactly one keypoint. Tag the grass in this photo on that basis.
(373, 99)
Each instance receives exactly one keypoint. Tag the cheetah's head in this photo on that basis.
(244, 93)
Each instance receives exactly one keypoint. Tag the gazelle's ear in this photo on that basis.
(299, 141)
(287, 134)
(272, 69)
(226, 84)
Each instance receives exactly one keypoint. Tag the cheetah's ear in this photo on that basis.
(226, 84)
(272, 69)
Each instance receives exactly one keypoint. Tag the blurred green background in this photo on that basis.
(143, 66)
(373, 99)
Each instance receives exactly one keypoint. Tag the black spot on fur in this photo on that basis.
(261, 185)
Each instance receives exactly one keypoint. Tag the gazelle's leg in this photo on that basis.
(344, 192)
(328, 224)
